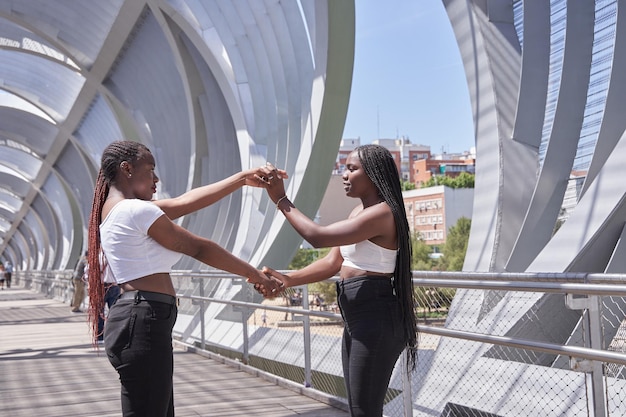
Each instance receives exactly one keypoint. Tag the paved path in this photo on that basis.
(49, 368)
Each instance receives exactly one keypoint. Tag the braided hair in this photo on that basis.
(112, 156)
(380, 167)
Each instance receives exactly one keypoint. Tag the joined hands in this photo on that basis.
(273, 277)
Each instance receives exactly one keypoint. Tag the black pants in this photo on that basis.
(373, 339)
(138, 343)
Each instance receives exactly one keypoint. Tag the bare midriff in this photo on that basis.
(161, 282)
(347, 272)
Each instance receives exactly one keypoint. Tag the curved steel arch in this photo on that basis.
(210, 88)
(531, 113)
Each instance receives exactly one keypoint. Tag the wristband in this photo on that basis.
(279, 200)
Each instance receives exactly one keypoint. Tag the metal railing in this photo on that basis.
(523, 337)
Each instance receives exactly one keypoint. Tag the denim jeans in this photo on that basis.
(373, 339)
(138, 343)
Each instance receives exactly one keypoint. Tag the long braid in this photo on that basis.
(113, 155)
(96, 289)
(380, 167)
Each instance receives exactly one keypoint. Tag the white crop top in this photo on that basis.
(130, 253)
(368, 256)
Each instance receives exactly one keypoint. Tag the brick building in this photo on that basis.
(432, 211)
(423, 170)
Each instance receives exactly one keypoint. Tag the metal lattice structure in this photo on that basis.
(210, 87)
(546, 82)
(216, 86)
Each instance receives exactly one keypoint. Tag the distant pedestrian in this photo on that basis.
(8, 273)
(2, 276)
(79, 280)
(264, 318)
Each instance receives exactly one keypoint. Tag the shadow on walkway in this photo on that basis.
(48, 367)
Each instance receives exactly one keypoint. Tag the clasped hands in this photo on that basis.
(273, 285)
(269, 283)
(270, 178)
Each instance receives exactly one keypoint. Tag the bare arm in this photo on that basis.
(201, 197)
(362, 224)
(322, 269)
(371, 223)
(178, 239)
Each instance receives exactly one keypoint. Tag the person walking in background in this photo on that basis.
(8, 273)
(2, 275)
(134, 243)
(371, 252)
(78, 281)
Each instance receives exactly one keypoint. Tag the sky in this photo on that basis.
(408, 78)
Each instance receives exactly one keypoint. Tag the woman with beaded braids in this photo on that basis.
(371, 252)
(134, 242)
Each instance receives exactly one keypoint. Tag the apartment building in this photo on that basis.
(432, 211)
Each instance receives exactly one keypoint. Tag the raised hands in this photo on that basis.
(265, 176)
(273, 178)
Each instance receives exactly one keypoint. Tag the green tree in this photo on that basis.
(302, 258)
(407, 185)
(463, 180)
(421, 260)
(456, 245)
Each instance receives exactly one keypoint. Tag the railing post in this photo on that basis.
(202, 303)
(407, 394)
(244, 324)
(597, 374)
(591, 305)
(306, 331)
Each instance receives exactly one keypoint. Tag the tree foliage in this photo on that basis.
(421, 260)
(407, 185)
(456, 245)
(463, 180)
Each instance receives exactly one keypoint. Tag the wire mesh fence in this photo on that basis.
(489, 344)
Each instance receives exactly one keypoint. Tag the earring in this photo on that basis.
(130, 175)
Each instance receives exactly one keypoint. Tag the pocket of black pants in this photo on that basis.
(119, 333)
(161, 311)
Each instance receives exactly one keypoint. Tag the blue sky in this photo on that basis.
(408, 77)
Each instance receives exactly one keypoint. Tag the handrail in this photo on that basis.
(591, 284)
(573, 351)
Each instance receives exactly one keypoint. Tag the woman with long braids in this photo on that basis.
(371, 252)
(134, 242)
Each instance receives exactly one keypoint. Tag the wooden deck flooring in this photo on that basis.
(49, 368)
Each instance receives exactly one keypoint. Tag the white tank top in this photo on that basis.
(368, 256)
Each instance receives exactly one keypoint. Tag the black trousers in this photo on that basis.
(138, 343)
(373, 339)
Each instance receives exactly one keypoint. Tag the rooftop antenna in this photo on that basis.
(378, 122)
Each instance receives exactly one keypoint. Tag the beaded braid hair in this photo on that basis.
(112, 156)
(380, 167)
